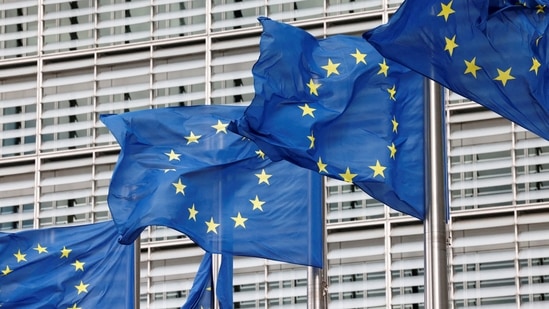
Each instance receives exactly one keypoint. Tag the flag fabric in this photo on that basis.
(201, 295)
(224, 290)
(337, 107)
(66, 267)
(492, 52)
(181, 168)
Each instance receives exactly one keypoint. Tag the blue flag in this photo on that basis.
(181, 168)
(491, 52)
(66, 267)
(337, 107)
(201, 294)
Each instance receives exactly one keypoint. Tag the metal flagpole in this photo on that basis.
(216, 263)
(137, 273)
(436, 276)
(317, 288)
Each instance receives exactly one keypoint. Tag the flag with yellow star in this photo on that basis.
(337, 107)
(75, 267)
(181, 168)
(491, 52)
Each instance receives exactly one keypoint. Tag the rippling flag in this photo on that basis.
(337, 107)
(201, 295)
(492, 52)
(66, 267)
(181, 168)
(202, 292)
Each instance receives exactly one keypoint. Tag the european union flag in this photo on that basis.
(492, 52)
(201, 294)
(66, 267)
(181, 168)
(224, 287)
(337, 107)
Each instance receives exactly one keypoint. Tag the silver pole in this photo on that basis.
(137, 273)
(317, 287)
(312, 274)
(436, 276)
(216, 263)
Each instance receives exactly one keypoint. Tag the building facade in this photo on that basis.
(64, 63)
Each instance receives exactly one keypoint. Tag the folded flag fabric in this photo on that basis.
(337, 107)
(181, 168)
(492, 52)
(66, 267)
(201, 295)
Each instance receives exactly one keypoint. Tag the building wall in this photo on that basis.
(63, 63)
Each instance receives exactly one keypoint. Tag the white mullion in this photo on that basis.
(516, 258)
(151, 73)
(387, 227)
(151, 22)
(38, 138)
(93, 187)
(450, 257)
(514, 165)
(208, 55)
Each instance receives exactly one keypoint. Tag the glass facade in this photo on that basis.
(63, 63)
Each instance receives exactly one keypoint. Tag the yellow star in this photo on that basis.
(257, 204)
(395, 124)
(472, 67)
(535, 65)
(192, 138)
(173, 156)
(307, 110)
(446, 10)
(179, 187)
(65, 252)
(20, 257)
(263, 177)
(312, 139)
(82, 287)
(331, 68)
(239, 220)
(260, 154)
(393, 150)
(74, 307)
(504, 76)
(348, 177)
(78, 265)
(378, 169)
(360, 57)
(392, 92)
(313, 88)
(212, 226)
(40, 249)
(321, 166)
(450, 44)
(220, 127)
(383, 68)
(540, 9)
(6, 271)
(192, 213)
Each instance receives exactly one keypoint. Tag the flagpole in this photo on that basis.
(216, 263)
(137, 273)
(436, 276)
(317, 287)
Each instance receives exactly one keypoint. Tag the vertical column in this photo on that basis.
(436, 276)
